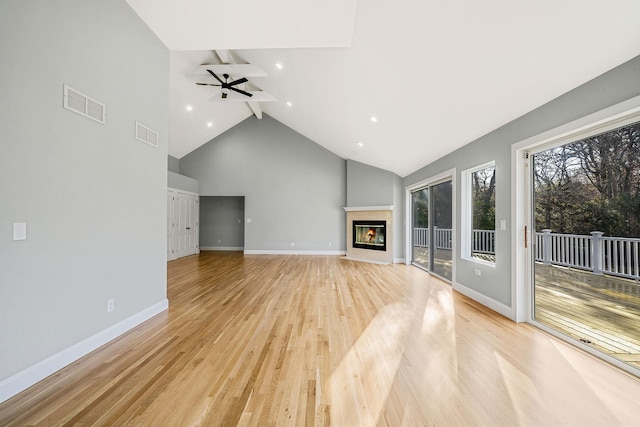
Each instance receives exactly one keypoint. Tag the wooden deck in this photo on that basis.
(601, 311)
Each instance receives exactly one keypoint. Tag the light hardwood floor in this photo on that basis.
(311, 340)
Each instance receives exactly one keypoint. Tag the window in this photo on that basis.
(479, 213)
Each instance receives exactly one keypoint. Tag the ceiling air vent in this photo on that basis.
(83, 105)
(147, 135)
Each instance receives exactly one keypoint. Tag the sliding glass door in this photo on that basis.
(586, 241)
(442, 264)
(432, 229)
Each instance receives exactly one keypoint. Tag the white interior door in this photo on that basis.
(186, 224)
(183, 213)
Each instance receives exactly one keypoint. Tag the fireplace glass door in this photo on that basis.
(432, 236)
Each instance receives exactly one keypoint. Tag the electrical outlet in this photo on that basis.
(219, 241)
(478, 272)
(110, 305)
(329, 244)
(293, 244)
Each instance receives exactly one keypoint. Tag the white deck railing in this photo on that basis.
(617, 256)
(483, 240)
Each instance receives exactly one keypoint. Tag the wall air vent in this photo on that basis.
(83, 105)
(147, 135)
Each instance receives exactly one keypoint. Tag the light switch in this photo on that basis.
(249, 220)
(503, 224)
(19, 231)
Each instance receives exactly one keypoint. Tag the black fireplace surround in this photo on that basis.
(370, 234)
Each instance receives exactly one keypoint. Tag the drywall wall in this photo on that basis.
(294, 190)
(615, 86)
(181, 182)
(368, 185)
(398, 220)
(221, 223)
(93, 197)
(173, 164)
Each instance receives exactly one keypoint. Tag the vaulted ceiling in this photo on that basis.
(435, 74)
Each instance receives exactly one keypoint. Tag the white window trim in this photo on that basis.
(466, 214)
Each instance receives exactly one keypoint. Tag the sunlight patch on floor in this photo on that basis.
(378, 351)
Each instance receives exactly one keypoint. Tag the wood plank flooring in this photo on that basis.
(310, 340)
(602, 311)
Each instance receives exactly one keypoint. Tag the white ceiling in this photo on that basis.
(436, 74)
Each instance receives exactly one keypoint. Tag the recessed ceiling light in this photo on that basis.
(278, 65)
(374, 119)
(209, 124)
(360, 144)
(289, 104)
(188, 108)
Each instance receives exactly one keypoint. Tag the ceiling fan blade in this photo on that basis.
(241, 91)
(207, 84)
(237, 82)
(214, 75)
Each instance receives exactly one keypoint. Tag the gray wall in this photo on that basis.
(294, 189)
(181, 182)
(173, 164)
(221, 222)
(93, 198)
(368, 185)
(398, 219)
(615, 86)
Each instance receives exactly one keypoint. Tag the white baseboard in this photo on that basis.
(494, 305)
(221, 248)
(399, 261)
(26, 378)
(269, 252)
(370, 261)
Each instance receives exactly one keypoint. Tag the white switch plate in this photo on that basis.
(503, 224)
(19, 231)
(248, 220)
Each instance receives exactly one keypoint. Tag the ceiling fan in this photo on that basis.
(226, 86)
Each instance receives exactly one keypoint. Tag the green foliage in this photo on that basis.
(590, 185)
(483, 184)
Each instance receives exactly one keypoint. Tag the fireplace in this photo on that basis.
(370, 234)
